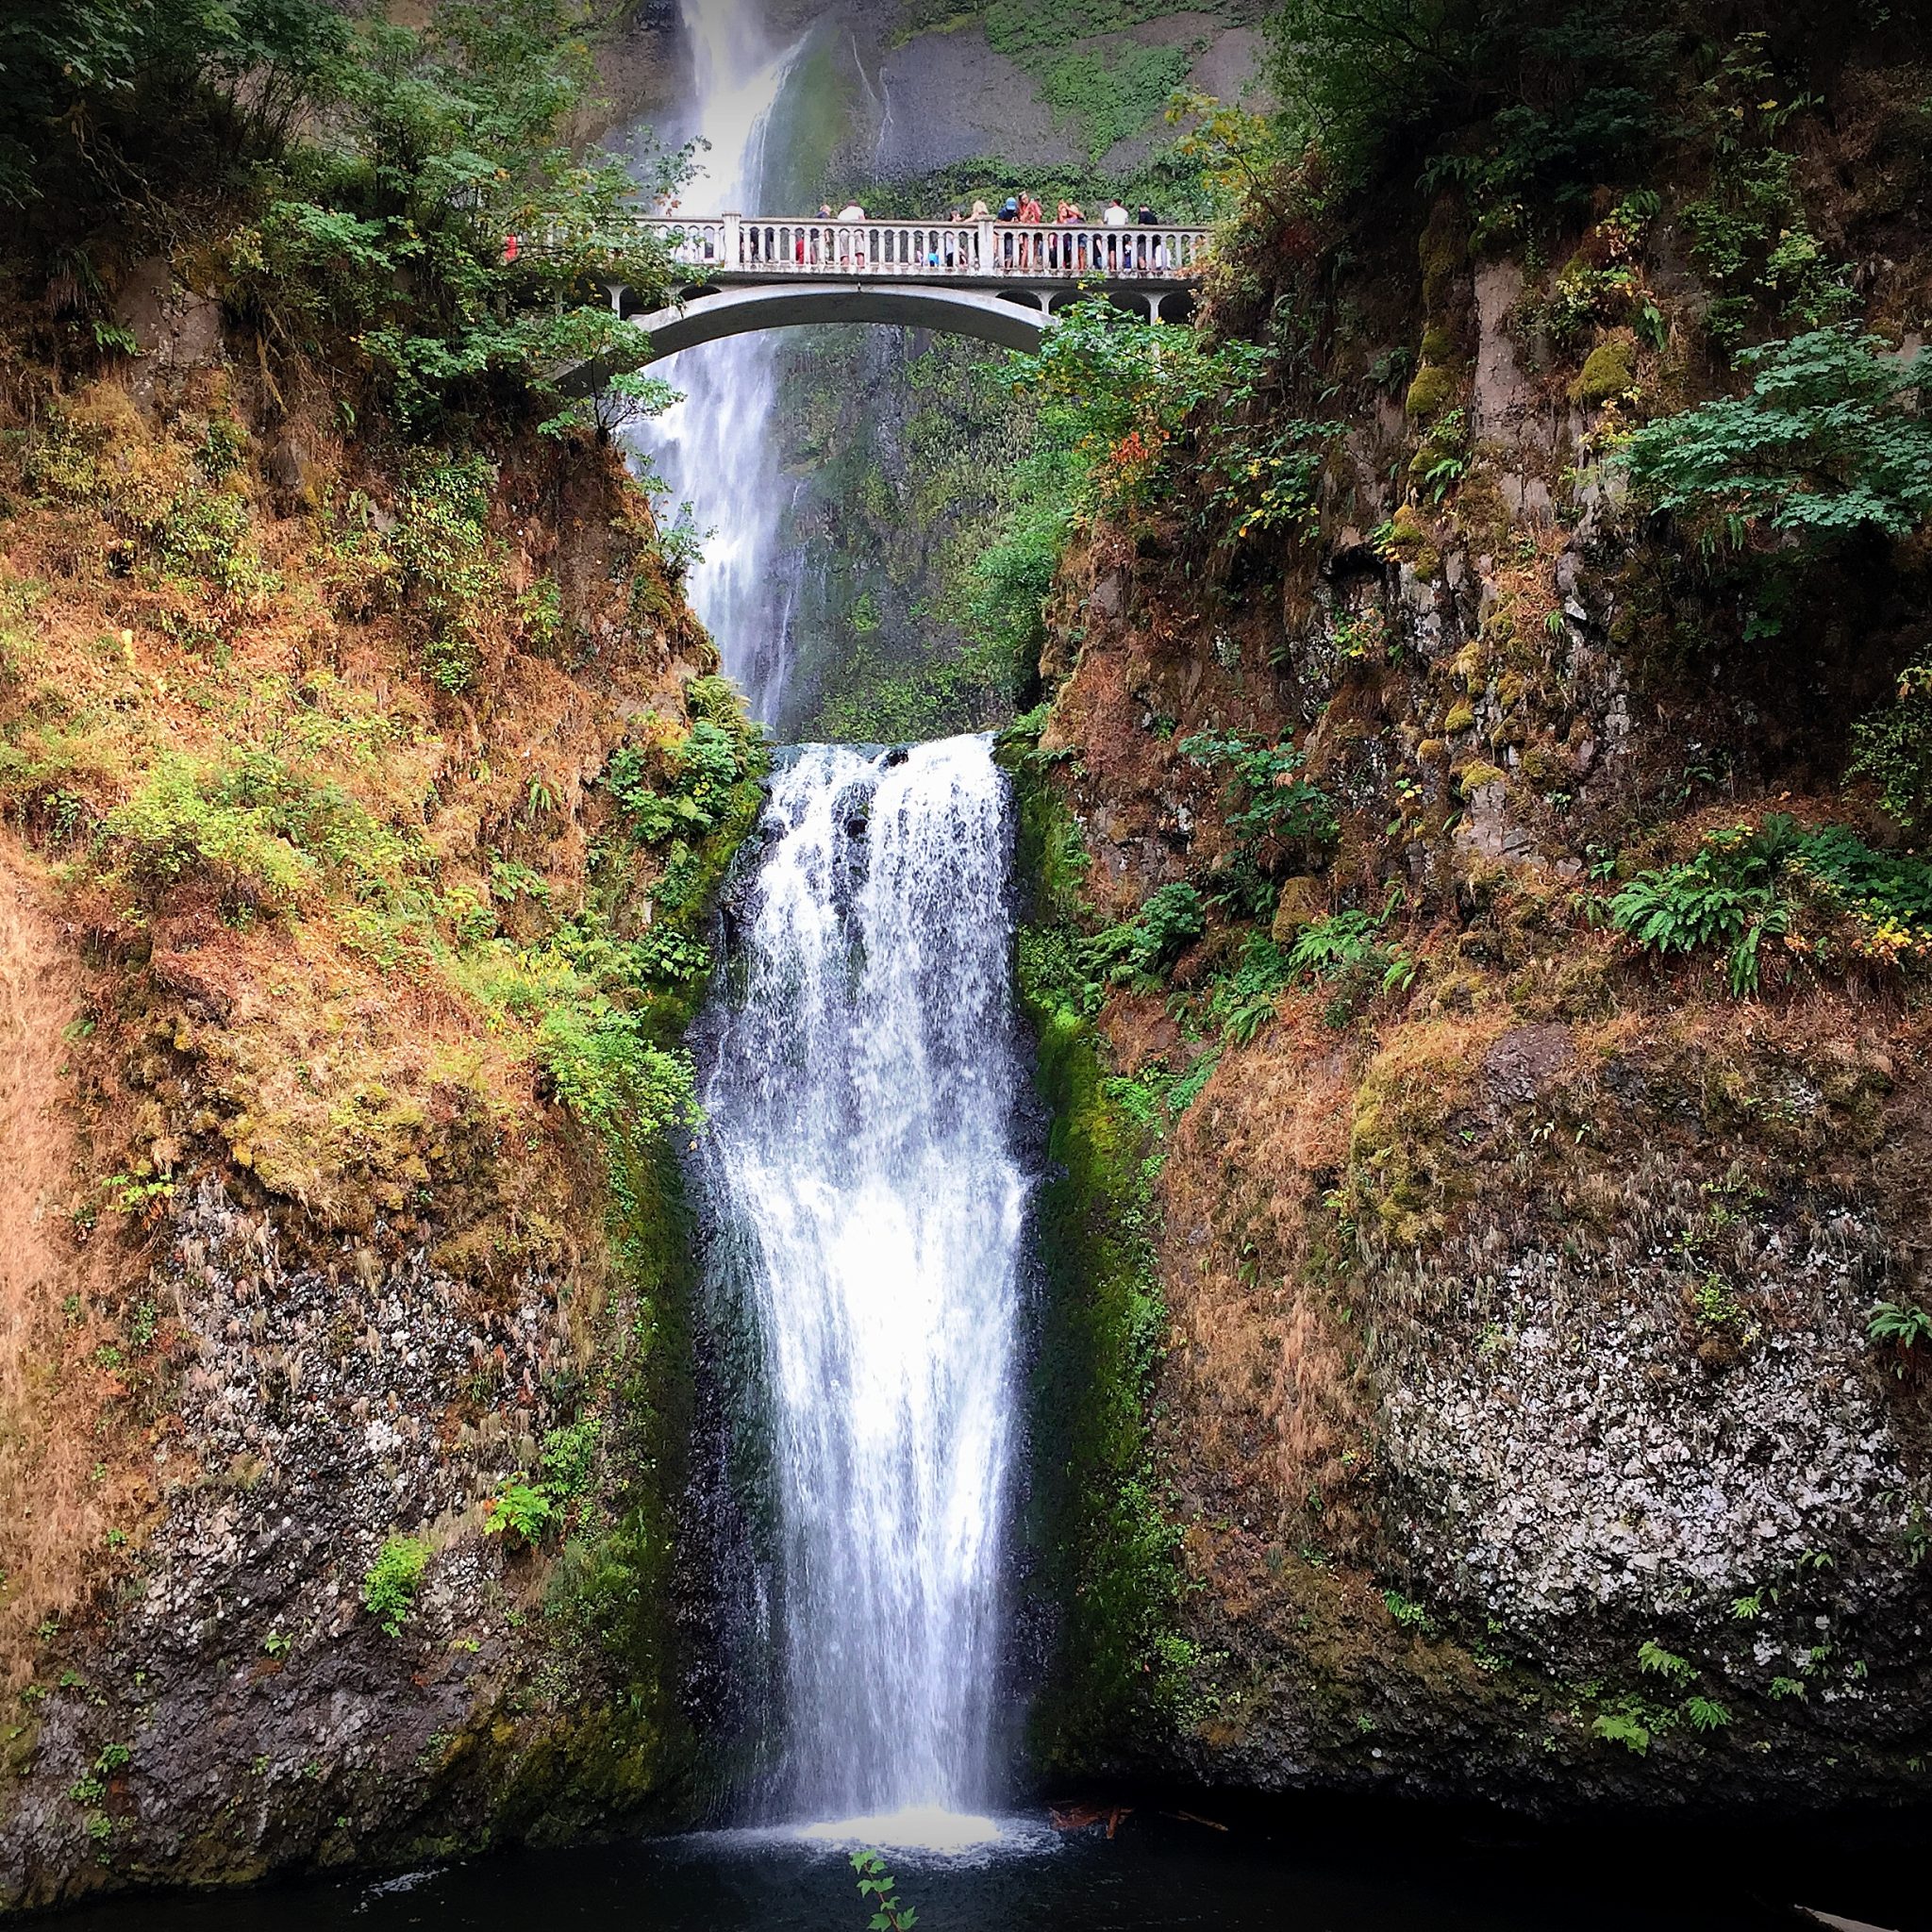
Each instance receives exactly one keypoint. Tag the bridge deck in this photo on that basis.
(740, 249)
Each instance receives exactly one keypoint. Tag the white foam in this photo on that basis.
(917, 1828)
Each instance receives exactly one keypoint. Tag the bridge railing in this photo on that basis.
(1032, 251)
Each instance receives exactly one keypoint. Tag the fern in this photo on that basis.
(1704, 1715)
(1660, 1662)
(1619, 1728)
(1745, 885)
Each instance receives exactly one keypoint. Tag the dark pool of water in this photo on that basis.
(1159, 1874)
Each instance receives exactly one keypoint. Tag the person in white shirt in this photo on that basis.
(1115, 216)
(851, 250)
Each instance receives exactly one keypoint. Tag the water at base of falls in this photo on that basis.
(861, 1158)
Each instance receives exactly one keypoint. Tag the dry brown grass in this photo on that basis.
(68, 1473)
(331, 1057)
(1261, 1365)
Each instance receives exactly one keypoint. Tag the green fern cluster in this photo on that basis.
(1745, 885)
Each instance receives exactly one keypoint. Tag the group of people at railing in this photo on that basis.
(1022, 242)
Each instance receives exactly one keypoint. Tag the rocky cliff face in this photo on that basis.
(361, 811)
(1515, 1391)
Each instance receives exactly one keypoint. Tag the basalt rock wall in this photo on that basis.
(1525, 1432)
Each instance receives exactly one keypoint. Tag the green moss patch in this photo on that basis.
(1109, 1553)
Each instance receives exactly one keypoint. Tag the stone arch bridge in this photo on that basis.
(999, 281)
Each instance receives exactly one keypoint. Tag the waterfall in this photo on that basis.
(862, 1153)
(715, 450)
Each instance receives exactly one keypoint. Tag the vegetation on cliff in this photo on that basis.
(1505, 625)
(354, 730)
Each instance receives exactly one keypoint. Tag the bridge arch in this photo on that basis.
(1009, 319)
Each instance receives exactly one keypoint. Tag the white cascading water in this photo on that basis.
(861, 1152)
(715, 450)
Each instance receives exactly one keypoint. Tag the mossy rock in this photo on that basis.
(1302, 902)
(1461, 718)
(1612, 371)
(1442, 252)
(1476, 774)
(1409, 543)
(1434, 391)
(1406, 1165)
(1438, 345)
(1546, 768)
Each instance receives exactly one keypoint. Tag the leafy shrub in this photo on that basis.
(608, 1072)
(569, 1457)
(1704, 1715)
(1270, 800)
(1749, 234)
(390, 1584)
(268, 836)
(524, 1511)
(71, 64)
(1822, 447)
(1273, 813)
(687, 786)
(179, 825)
(673, 958)
(878, 1887)
(379, 242)
(451, 573)
(1893, 749)
(1551, 99)
(1265, 476)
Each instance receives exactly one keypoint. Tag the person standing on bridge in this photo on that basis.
(1031, 214)
(1072, 248)
(853, 249)
(1115, 216)
(1150, 246)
